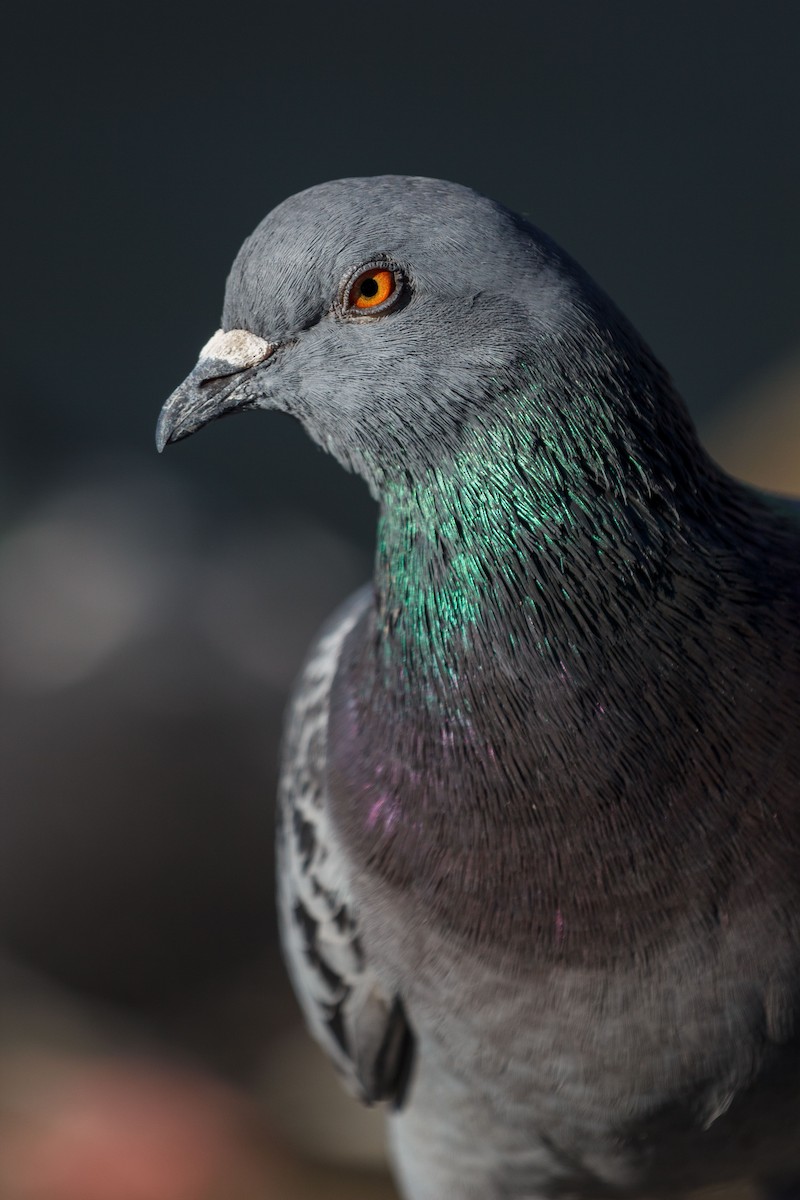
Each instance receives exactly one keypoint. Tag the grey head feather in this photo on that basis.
(493, 306)
(493, 311)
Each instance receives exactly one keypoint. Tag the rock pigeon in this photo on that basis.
(540, 806)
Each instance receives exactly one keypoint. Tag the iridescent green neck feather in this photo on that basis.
(537, 524)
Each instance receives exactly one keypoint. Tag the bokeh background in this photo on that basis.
(154, 611)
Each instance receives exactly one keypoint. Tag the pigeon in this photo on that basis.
(539, 829)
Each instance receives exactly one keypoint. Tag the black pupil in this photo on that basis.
(369, 288)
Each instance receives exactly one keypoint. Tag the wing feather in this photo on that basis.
(363, 1029)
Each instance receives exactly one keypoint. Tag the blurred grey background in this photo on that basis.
(154, 611)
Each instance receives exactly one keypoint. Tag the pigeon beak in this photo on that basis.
(214, 387)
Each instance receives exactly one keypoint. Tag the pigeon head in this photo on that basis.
(416, 329)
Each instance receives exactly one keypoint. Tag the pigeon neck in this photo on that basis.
(486, 563)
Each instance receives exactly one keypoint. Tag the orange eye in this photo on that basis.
(372, 288)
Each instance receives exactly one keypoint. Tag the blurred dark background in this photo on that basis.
(154, 611)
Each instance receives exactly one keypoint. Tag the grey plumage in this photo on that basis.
(540, 807)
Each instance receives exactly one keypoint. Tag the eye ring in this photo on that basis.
(373, 289)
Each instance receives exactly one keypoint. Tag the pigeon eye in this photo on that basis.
(373, 290)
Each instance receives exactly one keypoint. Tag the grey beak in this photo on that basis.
(214, 387)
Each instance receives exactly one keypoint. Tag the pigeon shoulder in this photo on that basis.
(360, 1026)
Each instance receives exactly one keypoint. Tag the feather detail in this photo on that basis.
(362, 1029)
